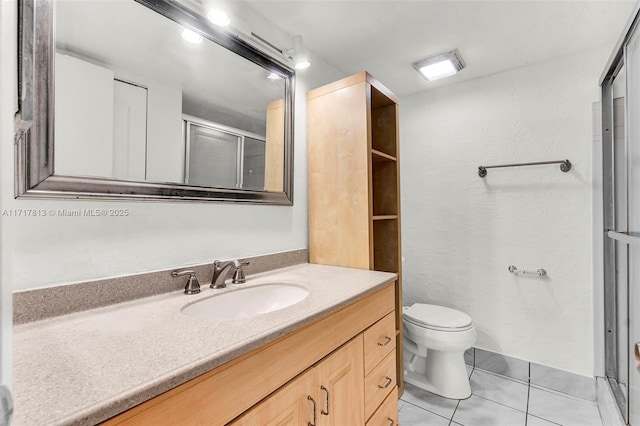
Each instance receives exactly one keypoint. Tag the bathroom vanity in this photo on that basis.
(329, 359)
(326, 384)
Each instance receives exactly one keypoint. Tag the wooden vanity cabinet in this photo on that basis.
(331, 393)
(324, 360)
(354, 182)
(380, 363)
(387, 414)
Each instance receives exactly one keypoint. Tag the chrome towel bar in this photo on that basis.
(565, 166)
(540, 272)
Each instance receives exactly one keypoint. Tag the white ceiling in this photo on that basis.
(385, 36)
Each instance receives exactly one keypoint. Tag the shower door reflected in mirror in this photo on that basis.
(223, 157)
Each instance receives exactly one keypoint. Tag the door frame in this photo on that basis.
(8, 107)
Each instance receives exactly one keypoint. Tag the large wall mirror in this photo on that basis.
(146, 99)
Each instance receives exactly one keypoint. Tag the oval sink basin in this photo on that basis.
(247, 302)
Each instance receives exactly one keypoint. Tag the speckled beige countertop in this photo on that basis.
(85, 367)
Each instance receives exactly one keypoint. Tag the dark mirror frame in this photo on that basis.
(34, 121)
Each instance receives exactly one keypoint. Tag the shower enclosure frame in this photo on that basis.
(611, 237)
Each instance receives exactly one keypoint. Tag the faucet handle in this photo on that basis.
(193, 286)
(238, 275)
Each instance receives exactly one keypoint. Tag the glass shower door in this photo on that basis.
(621, 190)
(632, 60)
(616, 251)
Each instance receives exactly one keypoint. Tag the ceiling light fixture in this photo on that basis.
(440, 66)
(219, 17)
(299, 54)
(191, 36)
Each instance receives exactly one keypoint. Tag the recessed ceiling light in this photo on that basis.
(302, 64)
(219, 17)
(440, 66)
(191, 36)
(300, 54)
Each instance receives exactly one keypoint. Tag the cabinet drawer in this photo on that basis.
(387, 414)
(379, 341)
(379, 384)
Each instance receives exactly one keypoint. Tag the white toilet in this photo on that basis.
(435, 338)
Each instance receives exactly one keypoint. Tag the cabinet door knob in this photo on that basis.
(637, 354)
(326, 413)
(387, 340)
(391, 421)
(313, 401)
(386, 385)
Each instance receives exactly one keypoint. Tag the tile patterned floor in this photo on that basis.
(496, 401)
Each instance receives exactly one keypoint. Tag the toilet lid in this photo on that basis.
(434, 316)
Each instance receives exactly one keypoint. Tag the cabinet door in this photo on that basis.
(341, 386)
(288, 406)
(338, 152)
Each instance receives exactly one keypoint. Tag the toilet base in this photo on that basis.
(445, 374)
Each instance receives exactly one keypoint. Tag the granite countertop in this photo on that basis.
(85, 367)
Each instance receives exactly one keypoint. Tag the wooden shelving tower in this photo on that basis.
(354, 186)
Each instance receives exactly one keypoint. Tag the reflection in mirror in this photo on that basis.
(124, 79)
(147, 100)
(223, 157)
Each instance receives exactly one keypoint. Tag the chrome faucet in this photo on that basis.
(221, 270)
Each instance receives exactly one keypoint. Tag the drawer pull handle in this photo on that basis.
(391, 421)
(387, 340)
(326, 413)
(314, 411)
(389, 380)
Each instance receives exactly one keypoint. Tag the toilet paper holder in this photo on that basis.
(540, 272)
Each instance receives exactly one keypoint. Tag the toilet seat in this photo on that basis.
(436, 317)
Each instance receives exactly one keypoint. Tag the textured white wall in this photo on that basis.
(461, 232)
(56, 250)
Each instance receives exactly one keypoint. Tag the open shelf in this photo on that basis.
(381, 156)
(383, 124)
(385, 188)
(385, 245)
(385, 217)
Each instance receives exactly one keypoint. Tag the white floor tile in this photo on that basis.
(563, 409)
(477, 411)
(400, 404)
(536, 421)
(499, 389)
(410, 415)
(469, 370)
(429, 401)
